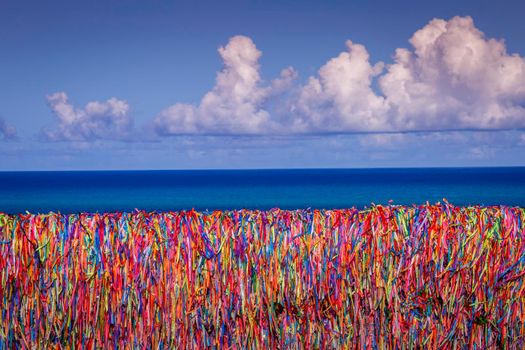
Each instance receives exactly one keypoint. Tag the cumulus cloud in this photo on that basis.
(454, 78)
(7, 131)
(108, 120)
(341, 98)
(236, 104)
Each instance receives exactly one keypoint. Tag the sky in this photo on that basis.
(261, 84)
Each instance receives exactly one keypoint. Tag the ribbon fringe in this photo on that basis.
(432, 276)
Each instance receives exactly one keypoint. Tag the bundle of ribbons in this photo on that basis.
(430, 276)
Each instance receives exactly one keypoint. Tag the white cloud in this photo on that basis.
(341, 98)
(235, 105)
(454, 78)
(109, 120)
(6, 131)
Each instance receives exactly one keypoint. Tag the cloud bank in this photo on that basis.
(451, 78)
(109, 120)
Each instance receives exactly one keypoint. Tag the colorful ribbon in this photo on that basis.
(432, 276)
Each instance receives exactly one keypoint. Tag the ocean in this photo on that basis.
(98, 191)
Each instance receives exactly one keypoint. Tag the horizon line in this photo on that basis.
(263, 169)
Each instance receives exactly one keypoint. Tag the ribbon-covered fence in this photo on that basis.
(433, 276)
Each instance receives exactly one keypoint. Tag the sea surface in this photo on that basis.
(92, 191)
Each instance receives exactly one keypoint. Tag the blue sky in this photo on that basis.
(261, 84)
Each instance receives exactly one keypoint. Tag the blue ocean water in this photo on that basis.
(91, 191)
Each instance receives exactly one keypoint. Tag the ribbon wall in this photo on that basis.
(398, 277)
